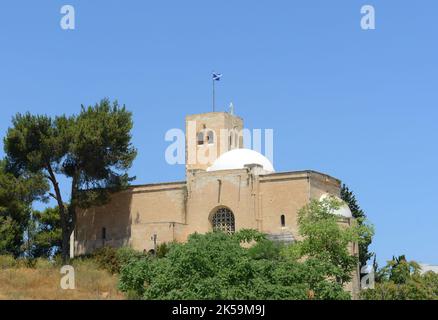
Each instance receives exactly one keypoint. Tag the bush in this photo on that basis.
(106, 258)
(43, 263)
(25, 263)
(125, 255)
(216, 266)
(134, 275)
(162, 250)
(266, 249)
(57, 260)
(112, 259)
(7, 261)
(401, 279)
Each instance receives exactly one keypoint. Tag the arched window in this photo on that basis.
(200, 138)
(223, 220)
(283, 220)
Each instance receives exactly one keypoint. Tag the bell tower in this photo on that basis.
(208, 135)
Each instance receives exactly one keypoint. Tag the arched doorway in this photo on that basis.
(223, 220)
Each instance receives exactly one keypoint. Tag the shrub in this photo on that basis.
(162, 250)
(401, 279)
(134, 275)
(216, 266)
(106, 258)
(126, 254)
(43, 263)
(112, 259)
(211, 266)
(7, 261)
(57, 260)
(266, 249)
(25, 263)
(221, 266)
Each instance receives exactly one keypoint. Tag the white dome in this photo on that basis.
(343, 211)
(238, 158)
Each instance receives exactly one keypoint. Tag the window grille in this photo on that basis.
(223, 220)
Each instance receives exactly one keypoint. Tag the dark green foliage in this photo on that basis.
(93, 149)
(126, 255)
(266, 249)
(102, 151)
(135, 275)
(106, 258)
(401, 280)
(17, 192)
(162, 250)
(211, 266)
(46, 236)
(216, 266)
(349, 197)
(221, 266)
(399, 270)
(249, 235)
(112, 259)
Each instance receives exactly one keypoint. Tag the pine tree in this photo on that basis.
(349, 197)
(92, 149)
(17, 192)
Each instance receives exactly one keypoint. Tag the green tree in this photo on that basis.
(45, 237)
(325, 239)
(218, 266)
(399, 270)
(92, 149)
(17, 192)
(210, 266)
(401, 279)
(361, 218)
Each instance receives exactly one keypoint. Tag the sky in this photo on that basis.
(360, 105)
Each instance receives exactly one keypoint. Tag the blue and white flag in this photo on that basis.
(217, 76)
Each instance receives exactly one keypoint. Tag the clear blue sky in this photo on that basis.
(358, 105)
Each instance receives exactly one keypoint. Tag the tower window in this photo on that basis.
(210, 137)
(103, 233)
(223, 220)
(283, 220)
(200, 138)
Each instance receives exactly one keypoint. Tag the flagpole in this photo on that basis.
(213, 95)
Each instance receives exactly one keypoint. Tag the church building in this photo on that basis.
(238, 190)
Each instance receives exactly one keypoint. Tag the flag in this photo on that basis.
(217, 76)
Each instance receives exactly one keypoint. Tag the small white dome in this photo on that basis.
(238, 158)
(343, 211)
